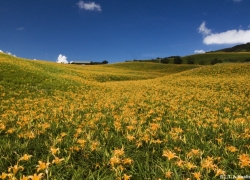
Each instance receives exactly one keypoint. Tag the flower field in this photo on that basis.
(122, 121)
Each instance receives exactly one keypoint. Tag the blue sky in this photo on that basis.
(119, 30)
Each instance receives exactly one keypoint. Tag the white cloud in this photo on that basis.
(199, 51)
(7, 52)
(90, 6)
(203, 30)
(228, 37)
(62, 59)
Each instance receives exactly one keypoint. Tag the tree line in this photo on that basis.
(103, 62)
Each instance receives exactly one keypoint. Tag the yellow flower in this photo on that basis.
(127, 161)
(219, 140)
(157, 141)
(177, 130)
(154, 126)
(15, 168)
(177, 149)
(130, 137)
(195, 151)
(208, 163)
(2, 126)
(244, 157)
(168, 174)
(63, 134)
(138, 144)
(190, 166)
(232, 149)
(119, 152)
(4, 175)
(146, 138)
(25, 157)
(57, 160)
(240, 178)
(42, 165)
(170, 155)
(197, 175)
(244, 160)
(97, 165)
(244, 164)
(94, 145)
(126, 177)
(114, 160)
(74, 148)
(81, 142)
(54, 150)
(36, 177)
(130, 128)
(10, 131)
(180, 163)
(220, 172)
(226, 109)
(25, 178)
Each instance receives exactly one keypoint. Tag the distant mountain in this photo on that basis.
(238, 48)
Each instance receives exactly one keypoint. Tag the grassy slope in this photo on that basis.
(41, 73)
(207, 57)
(40, 100)
(152, 67)
(237, 48)
(238, 53)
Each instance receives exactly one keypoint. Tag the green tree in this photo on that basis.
(177, 60)
(105, 62)
(165, 60)
(190, 60)
(202, 62)
(247, 60)
(215, 61)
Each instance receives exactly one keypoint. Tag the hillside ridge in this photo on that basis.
(237, 48)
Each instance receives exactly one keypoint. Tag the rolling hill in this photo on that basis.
(238, 53)
(237, 48)
(225, 57)
(135, 120)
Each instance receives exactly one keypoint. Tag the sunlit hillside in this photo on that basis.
(43, 71)
(126, 121)
(223, 56)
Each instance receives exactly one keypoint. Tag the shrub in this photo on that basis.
(190, 60)
(202, 62)
(215, 61)
(177, 60)
(105, 62)
(247, 60)
(165, 60)
(230, 60)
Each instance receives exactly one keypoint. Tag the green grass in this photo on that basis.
(237, 48)
(43, 73)
(208, 57)
(152, 67)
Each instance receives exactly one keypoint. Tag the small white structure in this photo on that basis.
(81, 62)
